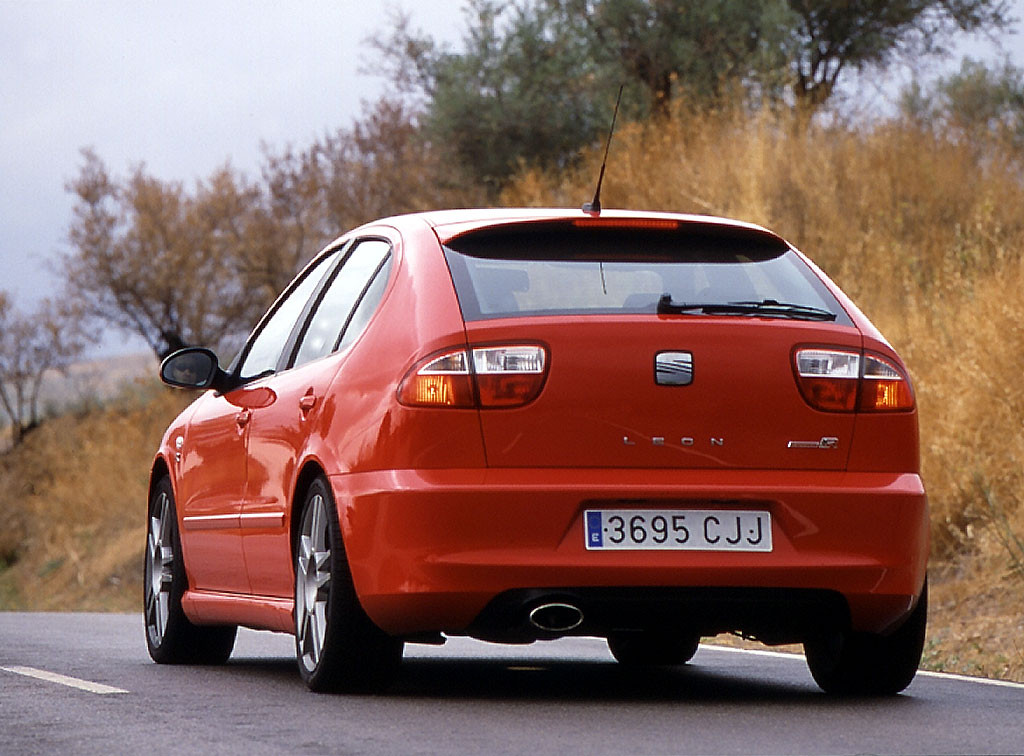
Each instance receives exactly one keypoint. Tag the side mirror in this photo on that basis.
(193, 368)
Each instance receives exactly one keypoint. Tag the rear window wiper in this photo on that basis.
(766, 307)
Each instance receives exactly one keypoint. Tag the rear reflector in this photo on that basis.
(486, 376)
(836, 380)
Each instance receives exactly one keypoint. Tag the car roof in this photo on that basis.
(448, 224)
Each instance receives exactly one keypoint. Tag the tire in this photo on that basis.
(652, 649)
(849, 663)
(337, 646)
(170, 636)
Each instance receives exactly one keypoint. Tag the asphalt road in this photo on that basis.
(559, 697)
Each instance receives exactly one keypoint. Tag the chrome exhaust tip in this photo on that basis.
(556, 617)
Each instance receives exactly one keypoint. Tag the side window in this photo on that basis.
(265, 349)
(339, 299)
(367, 306)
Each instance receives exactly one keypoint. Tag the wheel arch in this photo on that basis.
(310, 471)
(159, 470)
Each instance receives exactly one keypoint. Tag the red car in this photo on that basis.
(526, 424)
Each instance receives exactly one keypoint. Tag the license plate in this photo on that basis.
(678, 529)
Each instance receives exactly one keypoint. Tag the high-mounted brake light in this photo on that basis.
(836, 380)
(661, 224)
(484, 376)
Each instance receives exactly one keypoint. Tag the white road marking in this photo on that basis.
(753, 651)
(71, 682)
(979, 680)
(922, 672)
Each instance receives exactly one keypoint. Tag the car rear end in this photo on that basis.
(684, 426)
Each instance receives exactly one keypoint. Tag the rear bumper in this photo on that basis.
(431, 549)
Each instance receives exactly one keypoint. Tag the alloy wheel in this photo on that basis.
(159, 569)
(313, 583)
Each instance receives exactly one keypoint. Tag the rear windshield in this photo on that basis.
(561, 269)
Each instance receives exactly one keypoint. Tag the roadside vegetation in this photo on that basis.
(918, 215)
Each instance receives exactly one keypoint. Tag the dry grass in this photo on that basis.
(927, 235)
(72, 505)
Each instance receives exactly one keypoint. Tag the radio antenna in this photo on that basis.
(594, 206)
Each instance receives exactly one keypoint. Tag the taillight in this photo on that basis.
(486, 376)
(837, 380)
(828, 378)
(439, 381)
(508, 376)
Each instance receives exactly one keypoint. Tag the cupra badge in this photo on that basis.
(673, 368)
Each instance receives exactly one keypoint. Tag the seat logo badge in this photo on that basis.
(673, 368)
(828, 442)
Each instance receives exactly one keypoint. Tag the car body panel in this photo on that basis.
(210, 482)
(280, 435)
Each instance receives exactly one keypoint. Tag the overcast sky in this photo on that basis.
(182, 86)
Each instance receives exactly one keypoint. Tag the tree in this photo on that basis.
(976, 104)
(523, 89)
(700, 49)
(533, 81)
(180, 267)
(832, 37)
(382, 165)
(31, 346)
(170, 266)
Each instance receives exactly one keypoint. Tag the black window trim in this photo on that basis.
(291, 345)
(362, 295)
(344, 249)
(291, 351)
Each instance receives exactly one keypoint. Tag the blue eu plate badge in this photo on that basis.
(595, 532)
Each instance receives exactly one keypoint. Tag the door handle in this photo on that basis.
(307, 402)
(242, 418)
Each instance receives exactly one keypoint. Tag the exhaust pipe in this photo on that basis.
(556, 617)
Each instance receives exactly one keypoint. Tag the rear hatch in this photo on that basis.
(669, 344)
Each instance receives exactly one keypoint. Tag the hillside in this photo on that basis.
(73, 504)
(87, 382)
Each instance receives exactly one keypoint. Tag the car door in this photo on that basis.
(211, 475)
(280, 433)
(214, 450)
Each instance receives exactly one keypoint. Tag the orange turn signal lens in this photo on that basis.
(441, 380)
(440, 391)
